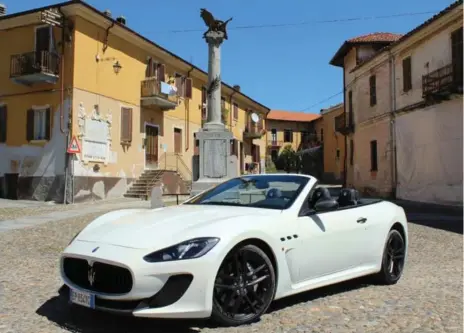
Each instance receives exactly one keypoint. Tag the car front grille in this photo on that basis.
(100, 277)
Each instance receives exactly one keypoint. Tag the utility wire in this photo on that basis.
(322, 101)
(283, 25)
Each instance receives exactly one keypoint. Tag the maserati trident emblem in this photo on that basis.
(91, 275)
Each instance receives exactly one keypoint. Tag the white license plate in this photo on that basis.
(81, 298)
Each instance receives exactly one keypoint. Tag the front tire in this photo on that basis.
(393, 259)
(244, 287)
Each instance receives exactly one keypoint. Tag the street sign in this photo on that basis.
(51, 17)
(74, 147)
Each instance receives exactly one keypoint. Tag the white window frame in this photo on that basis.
(40, 111)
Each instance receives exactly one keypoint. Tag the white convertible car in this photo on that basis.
(228, 252)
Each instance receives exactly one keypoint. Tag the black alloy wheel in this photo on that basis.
(244, 287)
(393, 259)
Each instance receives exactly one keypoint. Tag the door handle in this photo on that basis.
(362, 220)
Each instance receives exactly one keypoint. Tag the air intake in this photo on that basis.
(2, 9)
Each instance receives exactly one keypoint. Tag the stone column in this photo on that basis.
(214, 120)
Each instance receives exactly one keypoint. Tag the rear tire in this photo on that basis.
(393, 259)
(244, 288)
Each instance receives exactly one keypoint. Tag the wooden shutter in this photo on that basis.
(373, 89)
(188, 87)
(3, 120)
(30, 125)
(161, 72)
(177, 140)
(126, 124)
(456, 55)
(374, 165)
(350, 108)
(48, 126)
(351, 152)
(179, 85)
(407, 75)
(148, 70)
(235, 107)
(204, 114)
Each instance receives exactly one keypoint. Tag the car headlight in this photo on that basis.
(193, 248)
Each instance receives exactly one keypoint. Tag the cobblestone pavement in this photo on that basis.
(427, 299)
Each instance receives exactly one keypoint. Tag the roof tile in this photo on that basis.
(292, 116)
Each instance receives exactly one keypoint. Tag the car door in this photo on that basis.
(331, 242)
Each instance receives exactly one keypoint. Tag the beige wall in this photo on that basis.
(332, 141)
(280, 126)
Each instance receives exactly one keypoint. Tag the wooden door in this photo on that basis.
(177, 140)
(151, 148)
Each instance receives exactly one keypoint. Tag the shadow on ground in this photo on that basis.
(80, 320)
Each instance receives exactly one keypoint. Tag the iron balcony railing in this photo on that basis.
(33, 63)
(446, 79)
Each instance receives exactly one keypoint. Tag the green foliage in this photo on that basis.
(288, 160)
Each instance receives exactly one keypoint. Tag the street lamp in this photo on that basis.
(117, 67)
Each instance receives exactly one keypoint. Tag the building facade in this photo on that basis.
(132, 105)
(391, 85)
(284, 128)
(333, 143)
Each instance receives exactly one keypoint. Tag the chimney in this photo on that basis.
(236, 87)
(121, 19)
(107, 12)
(2, 9)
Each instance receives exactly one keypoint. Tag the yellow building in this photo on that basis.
(296, 129)
(133, 106)
(333, 143)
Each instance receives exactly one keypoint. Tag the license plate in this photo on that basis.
(81, 298)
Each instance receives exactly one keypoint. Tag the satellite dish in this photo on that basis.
(254, 117)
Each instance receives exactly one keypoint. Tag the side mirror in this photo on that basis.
(326, 205)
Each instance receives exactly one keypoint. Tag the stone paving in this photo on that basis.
(427, 299)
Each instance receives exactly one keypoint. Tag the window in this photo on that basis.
(456, 56)
(274, 135)
(43, 38)
(322, 135)
(177, 140)
(204, 111)
(223, 102)
(374, 155)
(235, 108)
(38, 124)
(407, 74)
(372, 87)
(180, 85)
(338, 154)
(126, 125)
(288, 135)
(351, 152)
(271, 186)
(155, 70)
(350, 108)
(274, 155)
(188, 88)
(3, 127)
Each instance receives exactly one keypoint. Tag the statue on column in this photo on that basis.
(213, 24)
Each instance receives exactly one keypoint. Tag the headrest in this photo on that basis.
(348, 196)
(273, 193)
(320, 193)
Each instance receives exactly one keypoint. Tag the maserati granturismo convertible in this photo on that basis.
(228, 252)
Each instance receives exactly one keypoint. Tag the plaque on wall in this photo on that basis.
(215, 158)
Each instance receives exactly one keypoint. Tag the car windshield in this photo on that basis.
(270, 191)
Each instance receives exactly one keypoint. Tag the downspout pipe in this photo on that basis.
(187, 116)
(345, 158)
(394, 165)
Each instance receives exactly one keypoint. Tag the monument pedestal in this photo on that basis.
(216, 165)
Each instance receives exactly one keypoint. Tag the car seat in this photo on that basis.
(273, 193)
(320, 193)
(348, 197)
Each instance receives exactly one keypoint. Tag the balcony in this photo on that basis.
(274, 143)
(155, 93)
(341, 126)
(442, 82)
(35, 67)
(253, 130)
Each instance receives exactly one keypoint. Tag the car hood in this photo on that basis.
(148, 228)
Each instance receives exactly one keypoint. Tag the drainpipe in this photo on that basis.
(62, 126)
(393, 158)
(345, 158)
(187, 116)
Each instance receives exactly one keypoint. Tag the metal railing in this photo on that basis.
(174, 162)
(151, 87)
(34, 62)
(442, 79)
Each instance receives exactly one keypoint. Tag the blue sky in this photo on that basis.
(282, 67)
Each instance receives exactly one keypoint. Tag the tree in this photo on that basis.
(288, 160)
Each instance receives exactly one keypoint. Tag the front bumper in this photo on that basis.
(178, 289)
